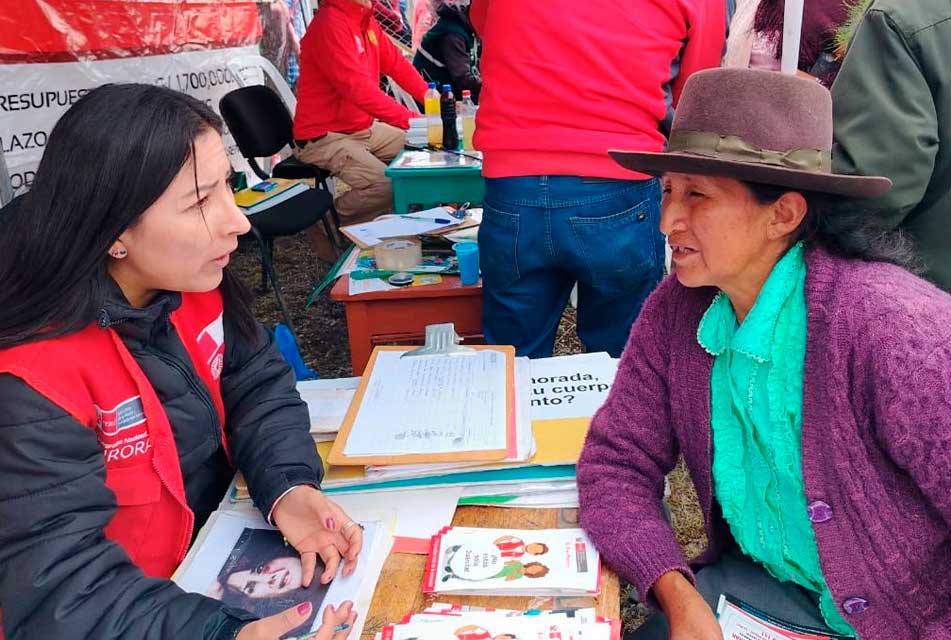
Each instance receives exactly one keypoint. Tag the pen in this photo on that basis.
(341, 627)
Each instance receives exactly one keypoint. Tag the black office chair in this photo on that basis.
(261, 126)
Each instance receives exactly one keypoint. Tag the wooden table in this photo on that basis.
(400, 316)
(400, 591)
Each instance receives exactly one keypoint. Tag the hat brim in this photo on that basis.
(657, 164)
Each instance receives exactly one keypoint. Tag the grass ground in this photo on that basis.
(322, 332)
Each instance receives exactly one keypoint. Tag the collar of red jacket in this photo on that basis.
(354, 12)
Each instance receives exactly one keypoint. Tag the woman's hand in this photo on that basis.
(273, 627)
(688, 614)
(314, 525)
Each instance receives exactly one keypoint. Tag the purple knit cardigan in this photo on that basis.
(876, 443)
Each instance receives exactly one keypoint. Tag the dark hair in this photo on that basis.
(542, 545)
(850, 232)
(108, 159)
(256, 547)
(533, 565)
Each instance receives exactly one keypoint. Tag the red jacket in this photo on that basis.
(564, 81)
(93, 377)
(342, 55)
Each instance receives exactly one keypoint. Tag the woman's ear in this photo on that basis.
(787, 212)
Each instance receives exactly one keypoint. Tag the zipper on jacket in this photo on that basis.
(197, 387)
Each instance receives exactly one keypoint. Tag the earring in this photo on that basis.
(118, 254)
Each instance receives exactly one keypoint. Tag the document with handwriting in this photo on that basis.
(432, 404)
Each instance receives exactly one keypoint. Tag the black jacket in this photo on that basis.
(59, 576)
(449, 54)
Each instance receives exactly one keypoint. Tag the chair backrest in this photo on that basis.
(258, 121)
(401, 95)
(254, 69)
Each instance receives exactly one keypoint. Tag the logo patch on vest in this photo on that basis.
(125, 415)
(122, 430)
(211, 346)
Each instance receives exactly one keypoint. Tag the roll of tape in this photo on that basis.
(398, 254)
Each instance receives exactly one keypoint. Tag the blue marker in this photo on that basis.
(441, 221)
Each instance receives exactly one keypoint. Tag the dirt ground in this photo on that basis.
(322, 334)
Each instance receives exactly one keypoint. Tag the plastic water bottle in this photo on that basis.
(447, 104)
(433, 121)
(468, 119)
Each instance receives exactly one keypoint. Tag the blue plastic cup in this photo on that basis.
(467, 254)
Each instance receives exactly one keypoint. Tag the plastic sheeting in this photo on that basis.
(53, 51)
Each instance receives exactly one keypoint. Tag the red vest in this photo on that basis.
(93, 377)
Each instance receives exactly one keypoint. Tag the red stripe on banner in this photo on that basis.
(68, 30)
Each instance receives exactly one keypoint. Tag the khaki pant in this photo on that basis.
(358, 159)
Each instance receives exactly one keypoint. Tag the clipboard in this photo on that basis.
(339, 458)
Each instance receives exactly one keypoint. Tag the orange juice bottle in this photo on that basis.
(433, 119)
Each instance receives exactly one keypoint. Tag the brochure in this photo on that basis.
(487, 624)
(741, 621)
(503, 562)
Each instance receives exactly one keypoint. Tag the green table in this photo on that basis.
(434, 185)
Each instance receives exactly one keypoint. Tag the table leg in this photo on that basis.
(400, 197)
(358, 327)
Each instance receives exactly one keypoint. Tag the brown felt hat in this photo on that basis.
(757, 126)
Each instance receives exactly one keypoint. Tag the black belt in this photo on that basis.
(300, 144)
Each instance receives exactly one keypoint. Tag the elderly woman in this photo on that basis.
(805, 381)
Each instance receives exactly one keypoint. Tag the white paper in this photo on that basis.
(372, 233)
(327, 402)
(570, 386)
(525, 439)
(368, 285)
(420, 513)
(488, 625)
(436, 212)
(432, 404)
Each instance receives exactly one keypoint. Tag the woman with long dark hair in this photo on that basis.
(134, 379)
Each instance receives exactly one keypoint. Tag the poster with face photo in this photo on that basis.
(263, 576)
(242, 561)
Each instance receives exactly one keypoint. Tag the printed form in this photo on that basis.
(432, 404)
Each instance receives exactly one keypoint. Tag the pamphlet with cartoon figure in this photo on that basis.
(472, 561)
(565, 624)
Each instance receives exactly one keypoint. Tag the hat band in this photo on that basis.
(723, 147)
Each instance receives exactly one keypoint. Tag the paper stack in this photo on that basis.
(554, 400)
(417, 135)
(501, 562)
(327, 402)
(454, 622)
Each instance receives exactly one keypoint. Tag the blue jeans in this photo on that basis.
(541, 234)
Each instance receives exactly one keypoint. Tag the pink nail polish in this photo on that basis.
(303, 608)
(330, 524)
